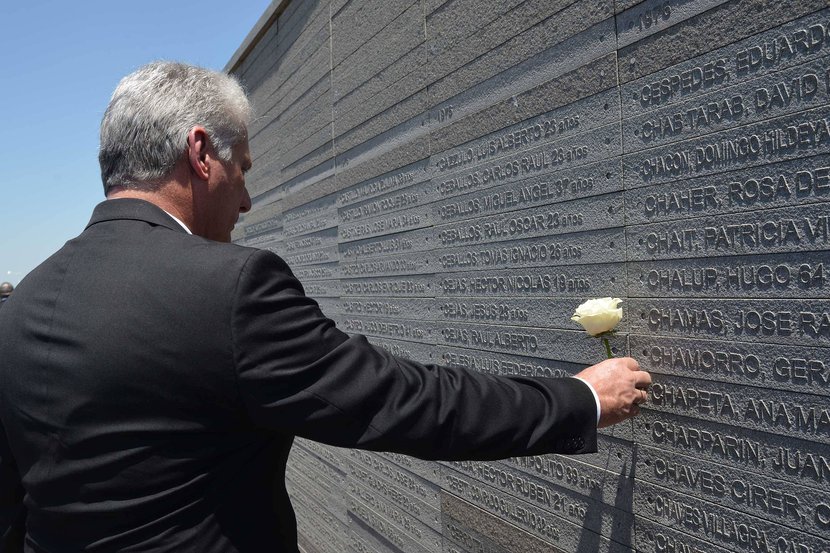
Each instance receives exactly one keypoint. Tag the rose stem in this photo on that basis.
(607, 348)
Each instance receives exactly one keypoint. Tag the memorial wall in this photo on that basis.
(451, 178)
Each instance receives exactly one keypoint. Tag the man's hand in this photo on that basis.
(621, 387)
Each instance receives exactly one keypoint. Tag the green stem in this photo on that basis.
(607, 348)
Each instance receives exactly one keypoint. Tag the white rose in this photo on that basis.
(599, 315)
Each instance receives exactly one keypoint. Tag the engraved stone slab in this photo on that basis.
(419, 477)
(318, 289)
(428, 514)
(594, 42)
(387, 328)
(398, 221)
(785, 458)
(776, 411)
(407, 350)
(428, 470)
(327, 531)
(304, 460)
(778, 139)
(326, 238)
(775, 94)
(400, 199)
(317, 272)
(361, 542)
(557, 186)
(797, 182)
(562, 345)
(777, 276)
(604, 471)
(385, 266)
(311, 217)
(330, 254)
(786, 322)
(775, 500)
(484, 532)
(550, 313)
(576, 280)
(458, 538)
(651, 537)
(582, 82)
(267, 219)
(599, 246)
(559, 154)
(321, 490)
(652, 16)
(382, 184)
(527, 516)
(268, 241)
(425, 525)
(403, 531)
(334, 456)
(591, 213)
(789, 229)
(363, 539)
(412, 241)
(576, 118)
(790, 44)
(587, 511)
(796, 368)
(408, 286)
(725, 527)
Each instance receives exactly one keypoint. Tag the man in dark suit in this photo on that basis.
(152, 380)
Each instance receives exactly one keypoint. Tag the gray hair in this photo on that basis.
(144, 130)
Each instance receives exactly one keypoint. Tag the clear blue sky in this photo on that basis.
(60, 61)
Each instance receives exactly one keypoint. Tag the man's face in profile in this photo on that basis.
(228, 196)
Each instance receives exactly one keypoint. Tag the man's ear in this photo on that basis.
(197, 152)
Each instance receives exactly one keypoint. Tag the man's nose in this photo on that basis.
(245, 207)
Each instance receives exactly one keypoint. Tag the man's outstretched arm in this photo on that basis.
(299, 375)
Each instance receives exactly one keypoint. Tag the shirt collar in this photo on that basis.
(178, 221)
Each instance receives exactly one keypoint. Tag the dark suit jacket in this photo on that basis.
(151, 383)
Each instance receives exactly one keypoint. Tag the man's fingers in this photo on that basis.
(642, 379)
(631, 363)
(642, 396)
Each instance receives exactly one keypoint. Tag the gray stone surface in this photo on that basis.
(799, 181)
(391, 43)
(717, 524)
(783, 503)
(358, 22)
(778, 276)
(783, 138)
(403, 531)
(583, 81)
(796, 322)
(451, 178)
(652, 537)
(798, 461)
(518, 36)
(722, 25)
(531, 516)
(788, 91)
(716, 69)
(383, 90)
(482, 532)
(796, 368)
(363, 126)
(652, 16)
(761, 408)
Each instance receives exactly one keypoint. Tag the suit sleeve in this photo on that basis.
(299, 375)
(12, 511)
